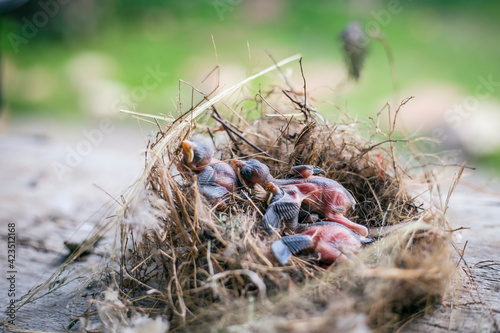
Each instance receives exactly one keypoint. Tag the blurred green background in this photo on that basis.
(79, 57)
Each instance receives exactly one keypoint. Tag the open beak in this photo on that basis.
(238, 164)
(188, 150)
(273, 189)
(237, 167)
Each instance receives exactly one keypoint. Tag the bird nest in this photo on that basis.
(200, 268)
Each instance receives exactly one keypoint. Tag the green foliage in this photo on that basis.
(450, 42)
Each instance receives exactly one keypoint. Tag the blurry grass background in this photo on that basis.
(89, 53)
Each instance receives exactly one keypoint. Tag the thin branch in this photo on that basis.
(229, 128)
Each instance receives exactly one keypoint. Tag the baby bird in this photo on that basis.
(216, 179)
(253, 172)
(333, 242)
(285, 203)
(318, 195)
(283, 207)
(324, 196)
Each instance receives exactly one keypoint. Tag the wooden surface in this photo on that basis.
(475, 205)
(48, 211)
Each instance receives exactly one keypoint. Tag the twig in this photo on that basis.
(229, 128)
(302, 106)
(229, 133)
(366, 150)
(108, 194)
(305, 91)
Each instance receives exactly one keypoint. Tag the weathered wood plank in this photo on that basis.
(47, 211)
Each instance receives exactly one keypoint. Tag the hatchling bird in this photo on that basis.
(253, 172)
(285, 203)
(323, 196)
(216, 179)
(283, 207)
(332, 241)
(319, 195)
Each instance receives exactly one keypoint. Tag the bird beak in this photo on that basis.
(317, 170)
(273, 189)
(238, 164)
(188, 150)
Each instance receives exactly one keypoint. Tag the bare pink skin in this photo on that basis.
(333, 243)
(225, 175)
(328, 199)
(323, 199)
